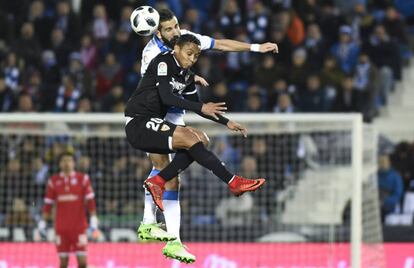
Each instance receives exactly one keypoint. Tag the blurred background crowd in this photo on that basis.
(82, 56)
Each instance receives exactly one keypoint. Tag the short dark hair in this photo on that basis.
(66, 153)
(187, 38)
(165, 15)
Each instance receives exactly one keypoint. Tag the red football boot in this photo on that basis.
(239, 185)
(155, 185)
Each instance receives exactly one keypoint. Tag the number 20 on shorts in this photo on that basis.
(154, 123)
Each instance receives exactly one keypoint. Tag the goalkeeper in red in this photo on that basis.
(168, 82)
(72, 194)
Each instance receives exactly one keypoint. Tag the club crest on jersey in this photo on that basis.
(165, 127)
(177, 85)
(162, 69)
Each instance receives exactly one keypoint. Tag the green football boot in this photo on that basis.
(176, 250)
(153, 232)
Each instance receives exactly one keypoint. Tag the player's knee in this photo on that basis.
(190, 138)
(172, 185)
(205, 139)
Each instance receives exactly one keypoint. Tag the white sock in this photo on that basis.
(172, 212)
(150, 208)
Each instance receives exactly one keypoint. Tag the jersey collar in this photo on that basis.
(176, 61)
(160, 44)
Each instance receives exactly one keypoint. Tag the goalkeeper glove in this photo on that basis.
(41, 227)
(93, 231)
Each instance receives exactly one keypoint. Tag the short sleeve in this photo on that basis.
(50, 196)
(87, 186)
(148, 54)
(206, 41)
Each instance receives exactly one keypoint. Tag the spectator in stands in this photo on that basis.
(27, 46)
(284, 104)
(313, 97)
(7, 97)
(12, 72)
(280, 37)
(331, 75)
(33, 87)
(115, 96)
(346, 50)
(18, 214)
(347, 99)
(68, 22)
(83, 79)
(88, 52)
(394, 26)
(124, 48)
(132, 78)
(60, 46)
(268, 72)
(85, 105)
(295, 29)
(362, 22)
(39, 170)
(255, 104)
(25, 103)
(193, 20)
(390, 186)
(109, 74)
(384, 52)
(315, 46)
(402, 160)
(258, 23)
(68, 95)
(124, 21)
(220, 93)
(230, 19)
(42, 23)
(101, 25)
(365, 82)
(299, 69)
(50, 69)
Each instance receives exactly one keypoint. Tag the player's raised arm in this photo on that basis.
(233, 45)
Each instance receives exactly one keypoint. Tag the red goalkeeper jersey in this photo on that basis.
(71, 195)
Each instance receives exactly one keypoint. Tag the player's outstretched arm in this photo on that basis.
(237, 46)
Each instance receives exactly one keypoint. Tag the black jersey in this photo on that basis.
(163, 85)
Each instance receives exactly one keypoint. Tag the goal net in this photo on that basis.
(318, 208)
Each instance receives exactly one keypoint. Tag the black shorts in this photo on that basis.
(150, 134)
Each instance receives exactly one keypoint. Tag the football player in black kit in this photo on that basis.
(168, 82)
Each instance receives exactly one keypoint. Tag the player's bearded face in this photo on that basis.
(187, 55)
(169, 32)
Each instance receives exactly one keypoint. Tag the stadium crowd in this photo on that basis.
(82, 56)
(334, 56)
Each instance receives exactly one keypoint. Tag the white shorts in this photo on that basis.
(175, 118)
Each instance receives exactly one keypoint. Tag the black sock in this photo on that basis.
(180, 162)
(208, 160)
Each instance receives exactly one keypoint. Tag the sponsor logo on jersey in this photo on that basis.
(162, 69)
(177, 86)
(67, 197)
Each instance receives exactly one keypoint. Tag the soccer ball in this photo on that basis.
(144, 20)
